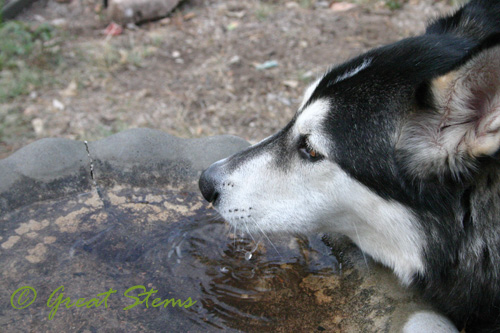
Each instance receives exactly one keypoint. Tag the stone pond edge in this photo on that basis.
(51, 168)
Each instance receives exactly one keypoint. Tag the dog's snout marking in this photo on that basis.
(242, 211)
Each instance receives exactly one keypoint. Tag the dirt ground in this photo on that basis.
(195, 73)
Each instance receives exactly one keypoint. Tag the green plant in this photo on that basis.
(306, 3)
(20, 82)
(25, 52)
(394, 4)
(20, 41)
(2, 2)
(263, 11)
(13, 124)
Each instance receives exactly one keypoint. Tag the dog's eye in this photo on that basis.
(308, 153)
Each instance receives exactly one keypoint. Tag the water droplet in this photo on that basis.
(248, 255)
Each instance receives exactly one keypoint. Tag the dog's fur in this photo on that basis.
(397, 149)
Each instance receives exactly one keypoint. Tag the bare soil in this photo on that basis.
(194, 74)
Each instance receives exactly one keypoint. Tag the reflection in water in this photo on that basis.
(242, 282)
(173, 244)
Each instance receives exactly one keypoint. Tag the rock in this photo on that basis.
(292, 4)
(45, 169)
(266, 65)
(127, 11)
(165, 21)
(58, 105)
(234, 60)
(60, 23)
(291, 83)
(53, 168)
(159, 153)
(38, 126)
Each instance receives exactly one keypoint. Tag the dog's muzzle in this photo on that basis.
(208, 183)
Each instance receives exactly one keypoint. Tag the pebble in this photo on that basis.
(165, 21)
(267, 65)
(59, 22)
(291, 83)
(38, 126)
(57, 104)
(234, 60)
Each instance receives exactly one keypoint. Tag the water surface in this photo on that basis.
(169, 242)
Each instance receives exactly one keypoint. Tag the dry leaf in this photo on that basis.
(342, 6)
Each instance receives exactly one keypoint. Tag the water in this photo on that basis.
(170, 243)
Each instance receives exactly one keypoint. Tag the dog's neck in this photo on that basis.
(384, 229)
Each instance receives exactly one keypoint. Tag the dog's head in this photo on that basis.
(367, 135)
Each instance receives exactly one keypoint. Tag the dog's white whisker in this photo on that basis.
(215, 218)
(270, 242)
(234, 236)
(249, 254)
(255, 247)
(249, 233)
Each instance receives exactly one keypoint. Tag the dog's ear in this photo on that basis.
(468, 100)
(462, 122)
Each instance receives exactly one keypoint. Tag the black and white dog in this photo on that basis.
(399, 150)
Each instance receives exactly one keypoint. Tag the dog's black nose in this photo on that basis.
(208, 184)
